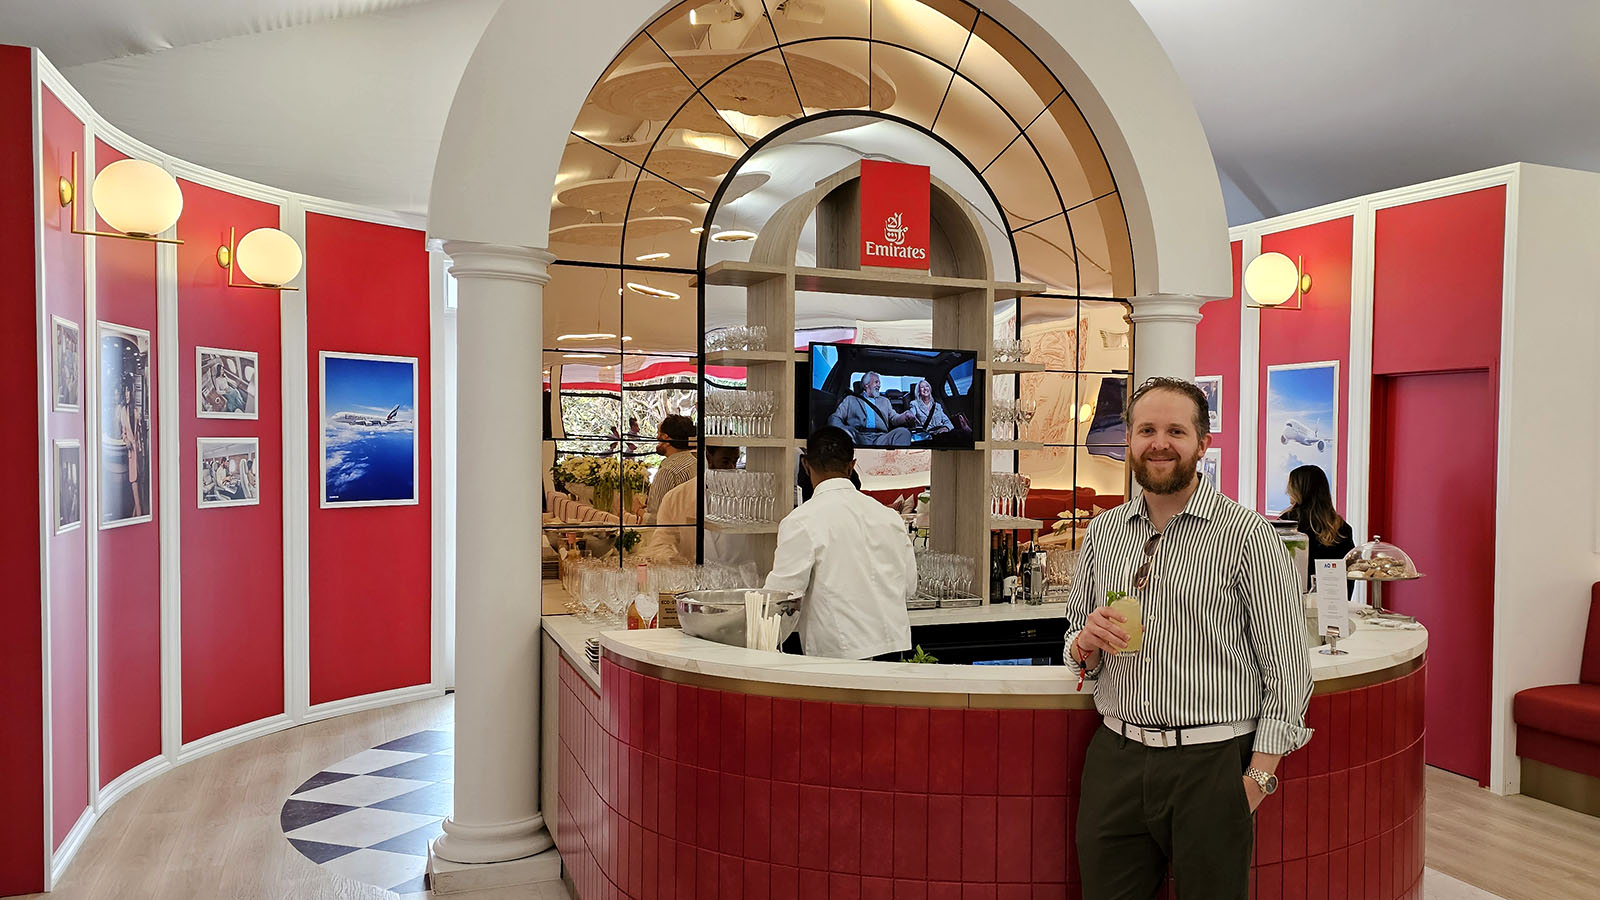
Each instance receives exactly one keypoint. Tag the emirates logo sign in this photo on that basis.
(894, 233)
(894, 224)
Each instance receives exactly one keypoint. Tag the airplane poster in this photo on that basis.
(369, 430)
(1302, 416)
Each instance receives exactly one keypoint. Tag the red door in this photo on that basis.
(1433, 495)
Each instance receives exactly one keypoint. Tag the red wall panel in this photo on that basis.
(1216, 352)
(69, 591)
(1318, 331)
(1439, 270)
(22, 792)
(371, 567)
(128, 576)
(1440, 508)
(232, 557)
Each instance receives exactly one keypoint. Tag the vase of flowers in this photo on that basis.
(602, 478)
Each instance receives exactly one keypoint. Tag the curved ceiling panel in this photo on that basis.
(679, 109)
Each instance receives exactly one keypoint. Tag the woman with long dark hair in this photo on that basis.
(1312, 511)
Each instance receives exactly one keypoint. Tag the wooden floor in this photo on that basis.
(1517, 847)
(210, 828)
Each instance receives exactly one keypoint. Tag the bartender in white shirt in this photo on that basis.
(851, 557)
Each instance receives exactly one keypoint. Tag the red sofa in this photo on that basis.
(1559, 724)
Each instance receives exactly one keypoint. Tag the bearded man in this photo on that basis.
(1199, 716)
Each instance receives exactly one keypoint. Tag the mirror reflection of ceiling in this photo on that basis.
(670, 119)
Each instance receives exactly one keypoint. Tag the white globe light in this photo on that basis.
(1271, 279)
(137, 197)
(268, 256)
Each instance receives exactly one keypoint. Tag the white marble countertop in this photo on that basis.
(1369, 650)
(569, 633)
(997, 612)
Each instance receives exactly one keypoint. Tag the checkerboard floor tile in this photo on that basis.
(370, 816)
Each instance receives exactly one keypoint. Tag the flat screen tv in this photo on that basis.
(897, 397)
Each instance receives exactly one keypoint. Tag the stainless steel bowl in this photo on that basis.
(719, 615)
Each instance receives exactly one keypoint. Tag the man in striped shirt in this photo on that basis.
(1197, 718)
(675, 442)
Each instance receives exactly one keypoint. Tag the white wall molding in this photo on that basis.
(370, 701)
(169, 495)
(70, 845)
(1505, 775)
(46, 526)
(441, 387)
(127, 781)
(296, 386)
(238, 734)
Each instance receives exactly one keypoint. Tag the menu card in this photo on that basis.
(1333, 603)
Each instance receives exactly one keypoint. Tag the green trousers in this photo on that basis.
(1143, 809)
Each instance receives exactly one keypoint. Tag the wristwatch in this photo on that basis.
(1267, 781)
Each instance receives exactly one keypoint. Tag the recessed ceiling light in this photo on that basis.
(648, 291)
(732, 235)
(696, 230)
(583, 356)
(648, 257)
(594, 336)
(626, 338)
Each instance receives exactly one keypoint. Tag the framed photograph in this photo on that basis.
(229, 470)
(1302, 417)
(1211, 386)
(226, 384)
(125, 407)
(67, 461)
(66, 365)
(1210, 467)
(369, 430)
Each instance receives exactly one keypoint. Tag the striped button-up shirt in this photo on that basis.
(674, 470)
(1224, 628)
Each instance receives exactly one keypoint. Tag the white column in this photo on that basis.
(1164, 336)
(500, 292)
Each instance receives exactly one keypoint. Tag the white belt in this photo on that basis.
(1179, 737)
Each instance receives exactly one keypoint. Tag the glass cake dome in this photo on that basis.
(1379, 560)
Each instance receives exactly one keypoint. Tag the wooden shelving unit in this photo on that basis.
(1014, 523)
(735, 440)
(963, 298)
(1011, 368)
(748, 357)
(745, 528)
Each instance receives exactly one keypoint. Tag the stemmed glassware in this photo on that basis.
(739, 413)
(737, 337)
(1026, 409)
(1011, 350)
(739, 496)
(944, 576)
(1059, 566)
(1004, 415)
(1009, 493)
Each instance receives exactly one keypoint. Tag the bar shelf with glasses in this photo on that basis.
(964, 297)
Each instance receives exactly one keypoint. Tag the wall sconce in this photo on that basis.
(1272, 279)
(267, 257)
(137, 198)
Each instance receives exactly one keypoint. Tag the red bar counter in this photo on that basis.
(693, 771)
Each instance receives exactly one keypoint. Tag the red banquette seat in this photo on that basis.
(1559, 724)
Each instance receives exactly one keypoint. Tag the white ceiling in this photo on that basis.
(1304, 102)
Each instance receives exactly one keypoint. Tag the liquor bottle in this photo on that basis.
(997, 566)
